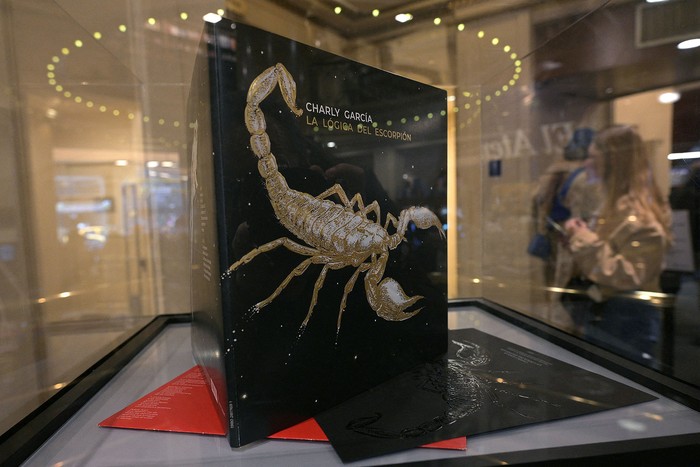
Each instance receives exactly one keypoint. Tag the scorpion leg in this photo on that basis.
(391, 220)
(314, 297)
(336, 190)
(386, 297)
(346, 291)
(297, 271)
(364, 210)
(284, 241)
(351, 203)
(371, 207)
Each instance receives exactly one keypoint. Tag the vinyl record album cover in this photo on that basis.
(318, 197)
(483, 384)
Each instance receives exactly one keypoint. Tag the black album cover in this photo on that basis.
(483, 384)
(318, 196)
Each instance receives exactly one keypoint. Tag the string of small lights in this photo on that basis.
(90, 103)
(474, 100)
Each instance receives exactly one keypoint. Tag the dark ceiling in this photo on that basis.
(357, 21)
(588, 49)
(599, 56)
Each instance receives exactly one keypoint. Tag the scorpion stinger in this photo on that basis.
(335, 235)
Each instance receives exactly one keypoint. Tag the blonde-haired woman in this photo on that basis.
(624, 249)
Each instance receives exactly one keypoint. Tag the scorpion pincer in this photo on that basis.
(336, 235)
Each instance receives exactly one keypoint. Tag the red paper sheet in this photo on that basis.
(311, 431)
(185, 405)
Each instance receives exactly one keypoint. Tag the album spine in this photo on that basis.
(229, 351)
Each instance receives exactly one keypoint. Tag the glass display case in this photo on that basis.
(94, 230)
(662, 431)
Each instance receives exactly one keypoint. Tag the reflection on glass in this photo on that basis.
(93, 225)
(623, 249)
(93, 152)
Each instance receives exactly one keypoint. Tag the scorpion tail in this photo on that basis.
(264, 84)
(260, 88)
(288, 88)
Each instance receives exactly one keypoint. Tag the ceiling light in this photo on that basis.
(211, 18)
(375, 13)
(403, 17)
(689, 44)
(437, 21)
(684, 155)
(669, 97)
(338, 10)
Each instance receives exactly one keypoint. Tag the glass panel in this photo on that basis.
(93, 213)
(93, 231)
(617, 286)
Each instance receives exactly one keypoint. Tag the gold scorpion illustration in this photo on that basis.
(337, 236)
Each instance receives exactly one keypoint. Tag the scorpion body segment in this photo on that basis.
(336, 235)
